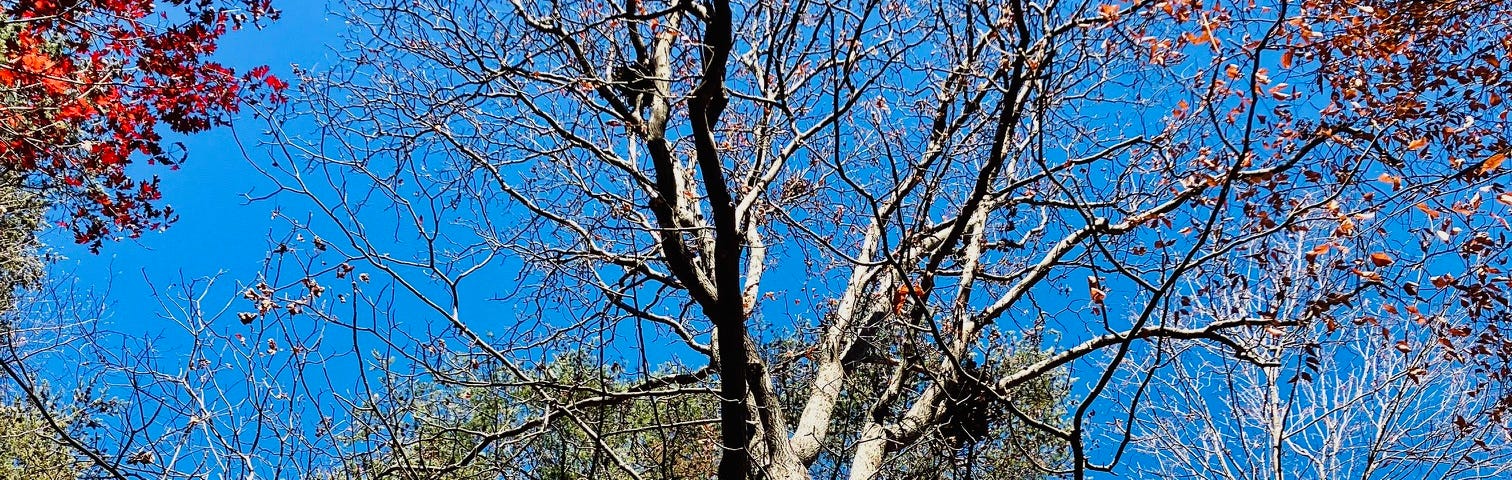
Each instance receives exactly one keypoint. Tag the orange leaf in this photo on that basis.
(1381, 259)
(36, 63)
(1394, 181)
(1286, 59)
(901, 297)
(1108, 12)
(1346, 228)
(1493, 163)
(1417, 144)
(1432, 214)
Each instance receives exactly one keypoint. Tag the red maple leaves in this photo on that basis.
(87, 86)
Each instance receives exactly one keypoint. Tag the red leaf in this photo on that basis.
(276, 84)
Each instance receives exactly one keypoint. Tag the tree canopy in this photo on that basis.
(906, 192)
(865, 239)
(88, 86)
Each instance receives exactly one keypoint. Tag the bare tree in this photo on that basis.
(1367, 397)
(50, 407)
(812, 209)
(89, 393)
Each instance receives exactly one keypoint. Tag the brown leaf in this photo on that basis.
(1346, 228)
(1417, 373)
(143, 457)
(1381, 259)
(1278, 92)
(1442, 281)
